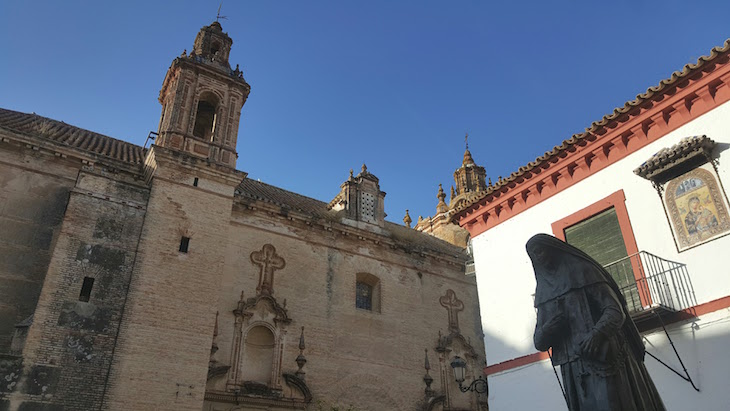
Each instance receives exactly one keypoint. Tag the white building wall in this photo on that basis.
(506, 281)
(702, 345)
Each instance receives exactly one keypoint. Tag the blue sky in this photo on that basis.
(394, 84)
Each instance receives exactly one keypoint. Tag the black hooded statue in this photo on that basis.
(582, 316)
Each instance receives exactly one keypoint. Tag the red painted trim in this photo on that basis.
(692, 312)
(642, 125)
(516, 362)
(616, 200)
(709, 307)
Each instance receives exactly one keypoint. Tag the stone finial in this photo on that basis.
(215, 329)
(441, 207)
(490, 181)
(351, 176)
(407, 220)
(214, 346)
(453, 194)
(364, 168)
(241, 302)
(466, 141)
(420, 219)
(468, 160)
(427, 378)
(300, 358)
(184, 53)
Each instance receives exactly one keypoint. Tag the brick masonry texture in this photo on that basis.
(165, 329)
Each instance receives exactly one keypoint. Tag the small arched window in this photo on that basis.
(367, 292)
(205, 117)
(215, 47)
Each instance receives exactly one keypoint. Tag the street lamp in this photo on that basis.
(479, 385)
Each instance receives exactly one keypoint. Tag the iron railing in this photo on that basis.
(648, 282)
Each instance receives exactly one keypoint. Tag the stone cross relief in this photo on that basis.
(453, 305)
(268, 261)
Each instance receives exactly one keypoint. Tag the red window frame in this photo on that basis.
(616, 200)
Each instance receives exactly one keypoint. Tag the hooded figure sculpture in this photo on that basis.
(582, 316)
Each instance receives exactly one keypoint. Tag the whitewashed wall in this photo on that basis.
(506, 281)
(702, 345)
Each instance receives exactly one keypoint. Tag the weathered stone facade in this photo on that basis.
(163, 278)
(470, 180)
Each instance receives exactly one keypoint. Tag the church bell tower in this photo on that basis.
(202, 98)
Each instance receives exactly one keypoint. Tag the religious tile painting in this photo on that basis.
(697, 207)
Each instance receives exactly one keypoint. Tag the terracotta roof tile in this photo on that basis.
(668, 157)
(616, 116)
(407, 237)
(67, 135)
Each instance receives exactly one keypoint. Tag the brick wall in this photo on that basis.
(34, 189)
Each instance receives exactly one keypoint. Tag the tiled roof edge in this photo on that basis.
(641, 98)
(120, 144)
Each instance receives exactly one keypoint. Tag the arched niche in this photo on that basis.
(258, 355)
(206, 116)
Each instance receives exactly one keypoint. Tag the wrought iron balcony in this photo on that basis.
(651, 284)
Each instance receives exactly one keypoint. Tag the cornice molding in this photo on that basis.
(599, 147)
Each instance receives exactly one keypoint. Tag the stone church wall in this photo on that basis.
(370, 359)
(71, 342)
(34, 189)
(165, 339)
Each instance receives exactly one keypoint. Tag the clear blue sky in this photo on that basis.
(394, 84)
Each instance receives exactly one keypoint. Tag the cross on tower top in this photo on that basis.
(268, 261)
(218, 16)
(453, 305)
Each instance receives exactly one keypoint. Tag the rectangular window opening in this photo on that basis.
(600, 237)
(364, 296)
(195, 182)
(86, 289)
(184, 243)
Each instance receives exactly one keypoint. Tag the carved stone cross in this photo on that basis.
(268, 261)
(453, 305)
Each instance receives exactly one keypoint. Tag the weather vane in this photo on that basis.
(218, 16)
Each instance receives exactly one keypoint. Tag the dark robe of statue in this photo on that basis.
(582, 316)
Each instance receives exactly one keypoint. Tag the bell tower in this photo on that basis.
(469, 177)
(202, 98)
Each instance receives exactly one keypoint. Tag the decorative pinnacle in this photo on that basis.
(215, 330)
(407, 220)
(364, 168)
(427, 378)
(441, 207)
(453, 194)
(300, 360)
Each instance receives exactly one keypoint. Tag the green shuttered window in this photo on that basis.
(600, 237)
